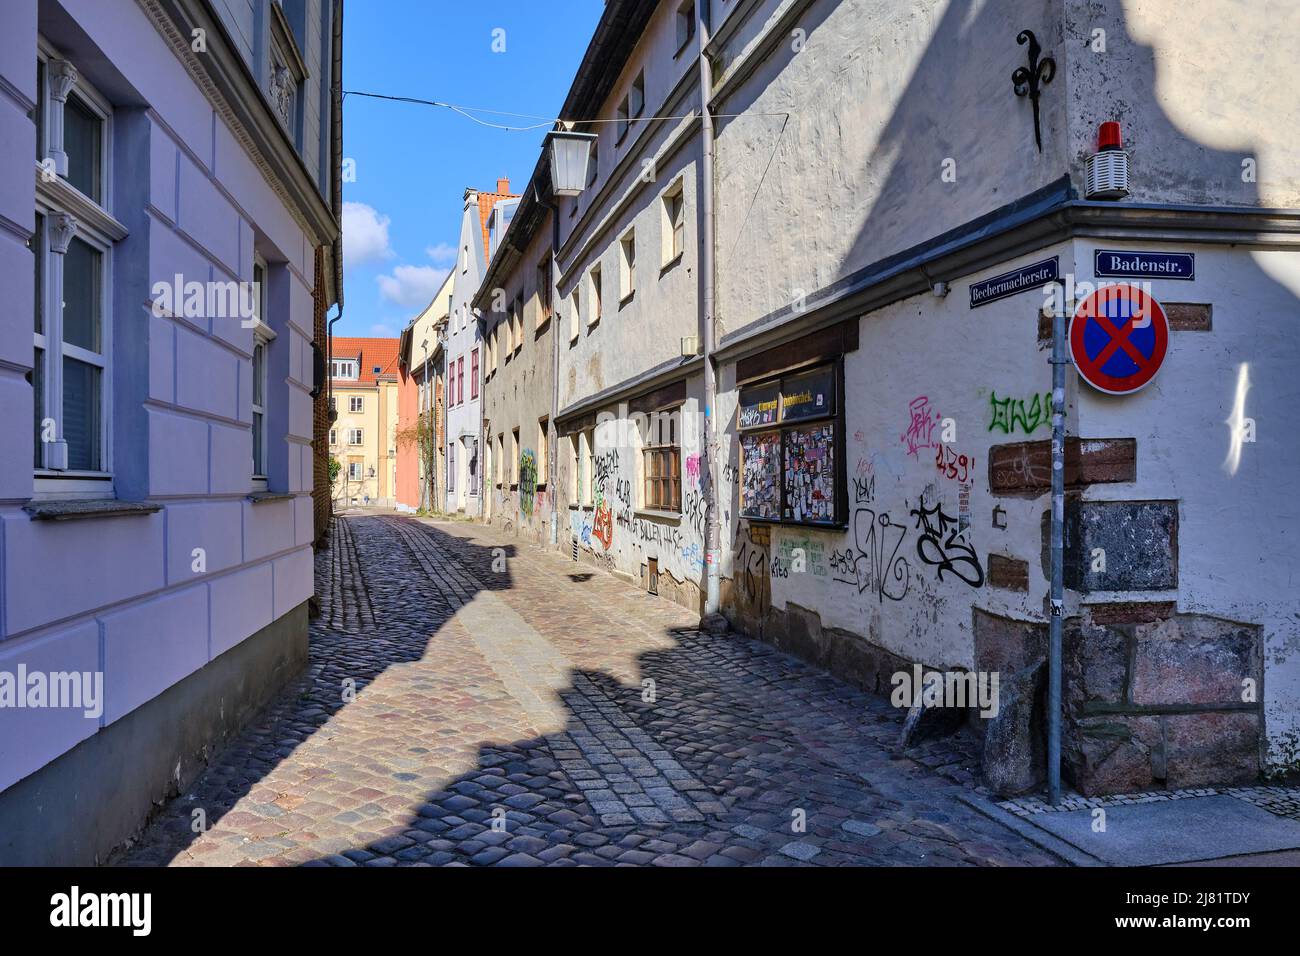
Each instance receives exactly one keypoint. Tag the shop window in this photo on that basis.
(792, 467)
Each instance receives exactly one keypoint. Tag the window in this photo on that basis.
(518, 314)
(356, 470)
(72, 255)
(594, 317)
(514, 457)
(464, 259)
(473, 374)
(627, 263)
(575, 449)
(543, 445)
(636, 98)
(575, 318)
(544, 308)
(792, 468)
(471, 485)
(355, 436)
(262, 336)
(685, 24)
(451, 467)
(593, 167)
(501, 455)
(674, 223)
(589, 467)
(355, 403)
(460, 380)
(334, 436)
(661, 462)
(621, 125)
(343, 368)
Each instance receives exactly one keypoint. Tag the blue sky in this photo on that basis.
(412, 163)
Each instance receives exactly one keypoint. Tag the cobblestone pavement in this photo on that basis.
(474, 700)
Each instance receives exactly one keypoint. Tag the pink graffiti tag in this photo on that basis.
(693, 468)
(921, 427)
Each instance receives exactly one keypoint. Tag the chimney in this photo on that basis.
(503, 186)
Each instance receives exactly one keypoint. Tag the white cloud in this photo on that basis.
(411, 285)
(443, 254)
(382, 331)
(365, 235)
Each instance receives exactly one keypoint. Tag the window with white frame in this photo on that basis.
(355, 436)
(262, 336)
(575, 317)
(627, 266)
(355, 403)
(674, 223)
(518, 317)
(343, 368)
(334, 436)
(72, 249)
(356, 470)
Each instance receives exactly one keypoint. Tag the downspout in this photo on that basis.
(1059, 361)
(712, 555)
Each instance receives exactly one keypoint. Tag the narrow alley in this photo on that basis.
(474, 701)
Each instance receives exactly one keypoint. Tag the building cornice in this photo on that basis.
(1042, 219)
(230, 87)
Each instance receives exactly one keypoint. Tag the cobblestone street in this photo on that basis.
(455, 713)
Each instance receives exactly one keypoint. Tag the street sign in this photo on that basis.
(1018, 280)
(1126, 264)
(1118, 339)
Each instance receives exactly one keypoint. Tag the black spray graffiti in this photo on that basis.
(952, 553)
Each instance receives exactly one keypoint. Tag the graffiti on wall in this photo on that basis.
(954, 465)
(942, 544)
(873, 563)
(1008, 412)
(923, 419)
(527, 482)
(750, 569)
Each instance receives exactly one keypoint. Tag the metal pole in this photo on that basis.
(712, 550)
(1058, 556)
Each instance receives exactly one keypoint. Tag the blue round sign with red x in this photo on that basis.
(1118, 339)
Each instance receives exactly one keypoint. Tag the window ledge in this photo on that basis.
(73, 509)
(655, 514)
(668, 266)
(627, 298)
(257, 497)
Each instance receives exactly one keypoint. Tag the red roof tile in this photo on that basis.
(372, 354)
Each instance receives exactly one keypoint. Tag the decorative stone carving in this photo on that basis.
(63, 77)
(282, 92)
(61, 228)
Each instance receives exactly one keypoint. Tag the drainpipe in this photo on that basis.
(712, 555)
(1059, 361)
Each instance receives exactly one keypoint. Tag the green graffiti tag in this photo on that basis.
(1008, 412)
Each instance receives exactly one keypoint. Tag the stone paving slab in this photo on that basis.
(471, 700)
(1174, 831)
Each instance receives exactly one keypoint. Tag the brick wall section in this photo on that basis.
(320, 411)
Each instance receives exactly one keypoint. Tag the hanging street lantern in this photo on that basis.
(570, 153)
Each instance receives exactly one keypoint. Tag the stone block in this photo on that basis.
(1094, 665)
(1015, 752)
(1006, 645)
(1007, 572)
(1194, 659)
(1137, 539)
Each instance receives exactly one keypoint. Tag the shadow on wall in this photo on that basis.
(956, 102)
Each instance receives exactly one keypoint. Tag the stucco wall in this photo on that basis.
(517, 394)
(128, 595)
(902, 124)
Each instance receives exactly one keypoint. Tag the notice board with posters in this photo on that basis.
(791, 430)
